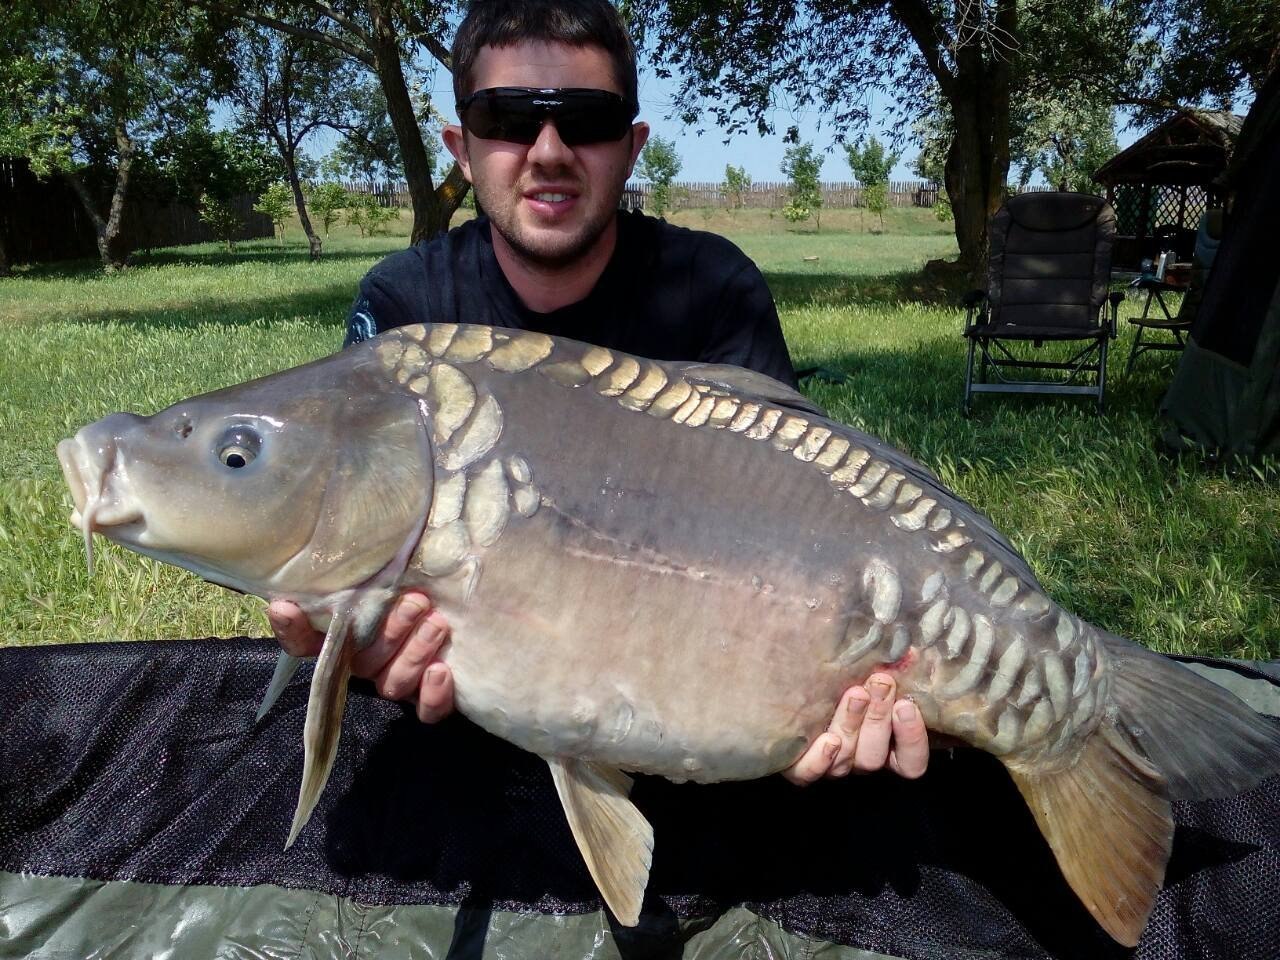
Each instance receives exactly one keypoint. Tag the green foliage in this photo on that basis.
(801, 165)
(276, 202)
(737, 184)
(942, 207)
(659, 163)
(368, 148)
(1064, 141)
(193, 160)
(326, 200)
(869, 162)
(222, 218)
(366, 214)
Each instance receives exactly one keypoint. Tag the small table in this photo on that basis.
(1156, 289)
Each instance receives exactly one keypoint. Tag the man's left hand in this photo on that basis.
(871, 730)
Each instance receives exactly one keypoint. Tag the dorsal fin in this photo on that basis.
(755, 385)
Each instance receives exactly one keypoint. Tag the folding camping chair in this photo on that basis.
(1178, 326)
(1048, 279)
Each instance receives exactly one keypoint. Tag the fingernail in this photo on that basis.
(855, 706)
(878, 689)
(435, 677)
(906, 710)
(830, 750)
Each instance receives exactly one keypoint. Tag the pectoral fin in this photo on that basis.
(615, 839)
(286, 667)
(324, 718)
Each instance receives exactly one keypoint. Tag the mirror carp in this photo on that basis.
(627, 551)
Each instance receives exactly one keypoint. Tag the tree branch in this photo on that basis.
(341, 19)
(925, 28)
(429, 40)
(305, 33)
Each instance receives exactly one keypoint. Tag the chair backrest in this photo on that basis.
(1208, 236)
(1050, 264)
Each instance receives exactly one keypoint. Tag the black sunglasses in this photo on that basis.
(516, 114)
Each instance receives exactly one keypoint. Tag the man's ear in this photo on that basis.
(639, 137)
(456, 143)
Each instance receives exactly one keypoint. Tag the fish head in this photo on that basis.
(297, 485)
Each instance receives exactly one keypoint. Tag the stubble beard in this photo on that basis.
(552, 252)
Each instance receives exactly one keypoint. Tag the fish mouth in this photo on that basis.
(96, 489)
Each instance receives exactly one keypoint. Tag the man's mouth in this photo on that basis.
(551, 204)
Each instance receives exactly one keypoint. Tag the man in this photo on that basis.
(547, 97)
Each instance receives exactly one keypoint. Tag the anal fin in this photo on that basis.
(1107, 819)
(286, 667)
(615, 839)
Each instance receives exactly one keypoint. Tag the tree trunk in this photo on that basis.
(432, 207)
(977, 166)
(291, 171)
(107, 229)
(4, 258)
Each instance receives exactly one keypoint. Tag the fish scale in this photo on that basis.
(627, 551)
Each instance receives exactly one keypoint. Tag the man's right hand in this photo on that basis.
(401, 661)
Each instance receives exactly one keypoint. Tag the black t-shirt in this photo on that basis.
(667, 293)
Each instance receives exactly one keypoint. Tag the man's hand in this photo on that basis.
(870, 730)
(401, 661)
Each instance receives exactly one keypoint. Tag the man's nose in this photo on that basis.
(549, 150)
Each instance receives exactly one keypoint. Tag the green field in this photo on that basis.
(1177, 556)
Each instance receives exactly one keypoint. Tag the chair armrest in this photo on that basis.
(971, 301)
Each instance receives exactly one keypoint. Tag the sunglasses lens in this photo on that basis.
(503, 118)
(516, 116)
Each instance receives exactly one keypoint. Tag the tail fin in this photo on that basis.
(1108, 823)
(1204, 741)
(1173, 735)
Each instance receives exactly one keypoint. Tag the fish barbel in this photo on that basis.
(628, 550)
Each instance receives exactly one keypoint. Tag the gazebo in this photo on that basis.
(1161, 184)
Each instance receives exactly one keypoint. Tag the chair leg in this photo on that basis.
(1102, 374)
(968, 378)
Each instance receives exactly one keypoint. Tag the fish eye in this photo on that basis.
(239, 447)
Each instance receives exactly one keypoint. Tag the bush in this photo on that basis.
(942, 207)
(277, 203)
(326, 201)
(801, 165)
(221, 218)
(737, 182)
(659, 163)
(365, 212)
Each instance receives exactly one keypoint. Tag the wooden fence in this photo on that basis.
(44, 220)
(769, 195)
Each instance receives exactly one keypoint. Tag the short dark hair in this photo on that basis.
(577, 23)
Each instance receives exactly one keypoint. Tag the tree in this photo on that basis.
(369, 149)
(871, 167)
(737, 183)
(659, 163)
(275, 203)
(389, 38)
(222, 219)
(113, 76)
(285, 89)
(801, 165)
(1065, 142)
(326, 200)
(737, 60)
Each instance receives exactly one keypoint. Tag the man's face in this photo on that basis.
(550, 202)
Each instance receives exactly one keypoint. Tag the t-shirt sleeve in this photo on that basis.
(746, 331)
(391, 294)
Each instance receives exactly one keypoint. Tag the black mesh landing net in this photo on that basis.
(141, 762)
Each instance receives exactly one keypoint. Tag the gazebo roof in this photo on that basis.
(1192, 147)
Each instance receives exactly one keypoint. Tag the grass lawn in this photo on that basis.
(1179, 557)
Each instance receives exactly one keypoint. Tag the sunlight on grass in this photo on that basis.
(1179, 557)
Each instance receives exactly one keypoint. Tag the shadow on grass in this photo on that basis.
(330, 302)
(205, 256)
(836, 289)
